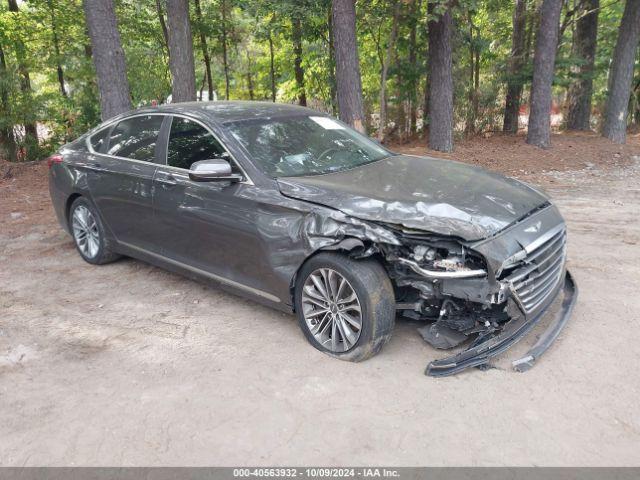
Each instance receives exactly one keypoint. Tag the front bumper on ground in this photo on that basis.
(514, 330)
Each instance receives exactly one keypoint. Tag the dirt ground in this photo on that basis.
(126, 364)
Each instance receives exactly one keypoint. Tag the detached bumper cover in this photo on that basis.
(512, 333)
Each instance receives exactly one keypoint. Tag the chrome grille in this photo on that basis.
(540, 271)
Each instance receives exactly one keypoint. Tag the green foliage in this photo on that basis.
(50, 35)
(145, 51)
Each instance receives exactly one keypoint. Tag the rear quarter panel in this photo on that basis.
(66, 180)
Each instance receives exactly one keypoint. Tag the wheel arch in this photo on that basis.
(67, 207)
(344, 246)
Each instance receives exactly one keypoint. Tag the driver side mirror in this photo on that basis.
(214, 170)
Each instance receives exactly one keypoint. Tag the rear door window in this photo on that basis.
(190, 142)
(99, 139)
(136, 138)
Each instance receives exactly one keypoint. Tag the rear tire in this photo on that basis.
(88, 233)
(331, 290)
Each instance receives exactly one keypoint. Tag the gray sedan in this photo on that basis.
(294, 209)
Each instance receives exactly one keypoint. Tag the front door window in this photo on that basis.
(190, 142)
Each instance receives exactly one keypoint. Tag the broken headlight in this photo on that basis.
(443, 262)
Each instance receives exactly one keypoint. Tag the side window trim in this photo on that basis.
(154, 160)
(247, 180)
(105, 144)
(113, 124)
(164, 140)
(162, 148)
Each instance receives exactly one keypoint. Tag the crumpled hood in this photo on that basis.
(422, 193)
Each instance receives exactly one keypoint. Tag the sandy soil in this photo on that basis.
(126, 364)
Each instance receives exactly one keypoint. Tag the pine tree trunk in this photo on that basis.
(7, 138)
(205, 50)
(30, 127)
(543, 67)
(183, 72)
(249, 77)
(332, 66)
(297, 51)
(621, 74)
(425, 101)
(108, 57)
(441, 83)
(516, 63)
(272, 69)
(413, 57)
(225, 56)
(532, 25)
(385, 69)
(636, 94)
(163, 25)
(88, 50)
(56, 49)
(427, 78)
(584, 48)
(348, 81)
(474, 77)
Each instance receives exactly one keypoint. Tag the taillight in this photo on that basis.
(54, 159)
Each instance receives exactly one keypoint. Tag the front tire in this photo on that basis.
(88, 233)
(345, 307)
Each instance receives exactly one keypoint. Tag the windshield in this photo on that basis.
(304, 145)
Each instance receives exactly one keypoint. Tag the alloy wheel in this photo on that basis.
(85, 231)
(331, 310)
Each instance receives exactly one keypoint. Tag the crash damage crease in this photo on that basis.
(458, 287)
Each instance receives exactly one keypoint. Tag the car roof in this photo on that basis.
(231, 111)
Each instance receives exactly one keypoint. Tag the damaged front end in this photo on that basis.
(488, 294)
(476, 256)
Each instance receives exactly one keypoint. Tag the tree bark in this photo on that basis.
(163, 24)
(621, 74)
(108, 57)
(165, 38)
(474, 77)
(516, 63)
(272, 69)
(56, 49)
(348, 81)
(413, 54)
(249, 77)
(425, 104)
(385, 70)
(636, 112)
(427, 78)
(88, 50)
(183, 72)
(332, 66)
(584, 48)
(205, 49)
(225, 55)
(566, 21)
(441, 83)
(543, 67)
(30, 127)
(7, 138)
(297, 51)
(532, 24)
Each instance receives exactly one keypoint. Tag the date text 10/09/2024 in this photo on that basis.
(316, 472)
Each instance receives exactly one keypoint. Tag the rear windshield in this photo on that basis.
(304, 145)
